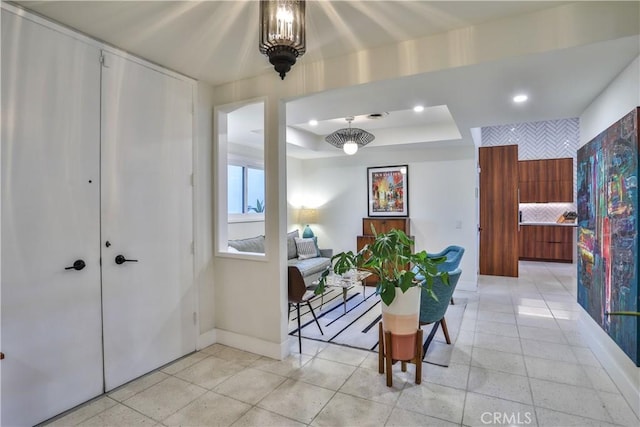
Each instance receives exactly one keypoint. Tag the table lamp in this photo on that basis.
(307, 216)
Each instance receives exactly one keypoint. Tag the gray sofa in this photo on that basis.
(311, 268)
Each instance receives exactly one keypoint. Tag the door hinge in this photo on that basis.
(192, 179)
(195, 317)
(193, 247)
(479, 169)
(103, 61)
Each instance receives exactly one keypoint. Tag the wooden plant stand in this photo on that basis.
(384, 355)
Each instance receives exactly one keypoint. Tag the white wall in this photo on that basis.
(297, 196)
(203, 198)
(245, 229)
(441, 197)
(622, 96)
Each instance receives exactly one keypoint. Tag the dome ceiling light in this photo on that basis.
(349, 139)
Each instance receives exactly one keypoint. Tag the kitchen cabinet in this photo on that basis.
(381, 225)
(547, 243)
(546, 180)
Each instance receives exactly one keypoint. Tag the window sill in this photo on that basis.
(250, 217)
(248, 256)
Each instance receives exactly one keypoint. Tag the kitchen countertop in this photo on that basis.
(561, 224)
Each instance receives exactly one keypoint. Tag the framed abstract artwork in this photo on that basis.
(388, 191)
(607, 188)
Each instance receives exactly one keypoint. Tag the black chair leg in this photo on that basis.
(299, 329)
(314, 317)
(429, 339)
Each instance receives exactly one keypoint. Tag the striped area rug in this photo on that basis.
(356, 325)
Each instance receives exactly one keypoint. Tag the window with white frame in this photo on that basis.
(245, 189)
(240, 188)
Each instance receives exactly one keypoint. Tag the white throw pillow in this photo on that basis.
(306, 248)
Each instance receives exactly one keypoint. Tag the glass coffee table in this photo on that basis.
(346, 281)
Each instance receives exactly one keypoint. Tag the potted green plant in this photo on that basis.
(258, 208)
(402, 275)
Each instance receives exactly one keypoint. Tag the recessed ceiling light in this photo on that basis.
(418, 108)
(313, 122)
(520, 98)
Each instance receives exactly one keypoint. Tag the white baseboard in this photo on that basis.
(624, 373)
(206, 339)
(467, 285)
(246, 343)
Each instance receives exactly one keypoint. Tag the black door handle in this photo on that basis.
(120, 259)
(78, 265)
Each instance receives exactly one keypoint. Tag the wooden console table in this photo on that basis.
(381, 225)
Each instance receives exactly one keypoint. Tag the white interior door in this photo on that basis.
(51, 325)
(149, 303)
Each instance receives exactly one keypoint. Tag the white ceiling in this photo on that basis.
(560, 84)
(216, 42)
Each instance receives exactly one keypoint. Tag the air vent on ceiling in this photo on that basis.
(377, 116)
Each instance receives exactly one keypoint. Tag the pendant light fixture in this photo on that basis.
(282, 32)
(349, 139)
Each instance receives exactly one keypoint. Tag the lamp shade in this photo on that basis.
(308, 216)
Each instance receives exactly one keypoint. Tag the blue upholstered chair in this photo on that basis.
(432, 311)
(454, 256)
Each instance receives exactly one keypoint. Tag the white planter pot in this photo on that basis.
(401, 319)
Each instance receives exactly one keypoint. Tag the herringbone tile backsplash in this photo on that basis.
(544, 212)
(550, 139)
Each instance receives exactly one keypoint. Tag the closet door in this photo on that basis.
(51, 325)
(147, 264)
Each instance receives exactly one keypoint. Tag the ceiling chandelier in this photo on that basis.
(282, 32)
(349, 139)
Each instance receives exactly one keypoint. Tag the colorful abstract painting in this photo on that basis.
(388, 191)
(607, 185)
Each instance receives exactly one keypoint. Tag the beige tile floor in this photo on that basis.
(518, 355)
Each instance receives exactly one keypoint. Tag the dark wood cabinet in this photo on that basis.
(547, 243)
(384, 225)
(546, 180)
(381, 225)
